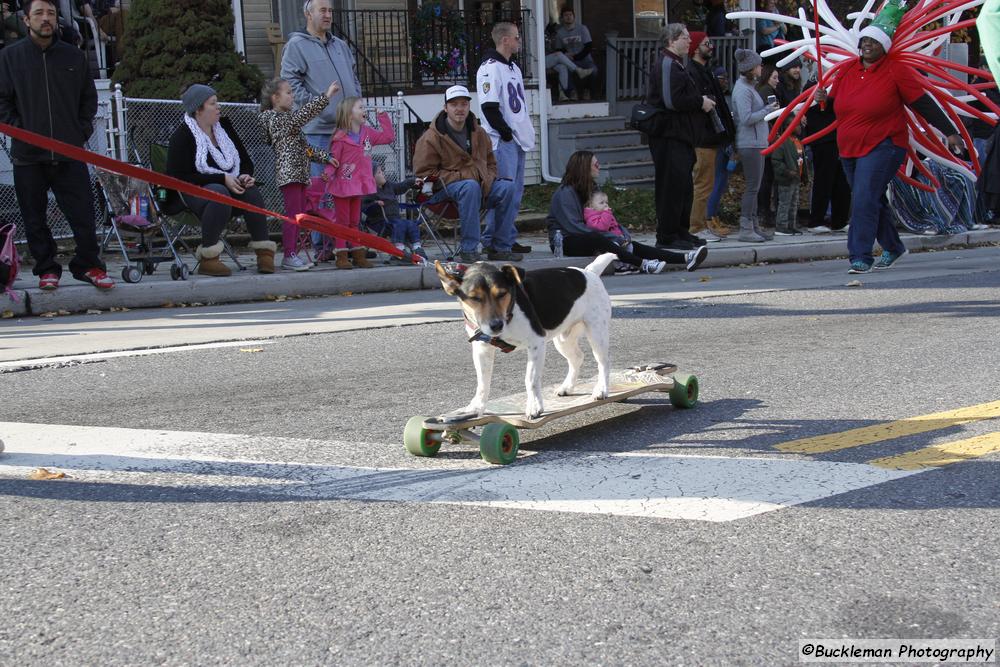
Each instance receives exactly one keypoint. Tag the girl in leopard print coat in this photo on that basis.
(283, 130)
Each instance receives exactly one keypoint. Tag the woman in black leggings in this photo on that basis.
(579, 240)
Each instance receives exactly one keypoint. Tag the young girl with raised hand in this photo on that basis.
(292, 153)
(352, 179)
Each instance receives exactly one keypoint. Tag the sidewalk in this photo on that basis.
(158, 289)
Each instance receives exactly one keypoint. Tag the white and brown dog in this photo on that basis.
(509, 308)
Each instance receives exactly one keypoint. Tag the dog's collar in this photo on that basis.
(495, 341)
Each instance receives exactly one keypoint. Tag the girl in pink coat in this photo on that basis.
(352, 179)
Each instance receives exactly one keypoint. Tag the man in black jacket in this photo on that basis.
(45, 88)
(672, 89)
(708, 138)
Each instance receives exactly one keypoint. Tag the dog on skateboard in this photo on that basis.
(508, 307)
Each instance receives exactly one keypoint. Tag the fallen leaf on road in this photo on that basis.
(855, 283)
(94, 311)
(168, 304)
(196, 304)
(7, 314)
(116, 309)
(62, 312)
(251, 349)
(704, 279)
(49, 313)
(347, 294)
(45, 473)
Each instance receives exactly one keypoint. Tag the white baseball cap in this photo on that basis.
(456, 91)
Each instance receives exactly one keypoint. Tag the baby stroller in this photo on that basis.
(143, 236)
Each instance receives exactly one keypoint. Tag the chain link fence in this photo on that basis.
(125, 128)
(9, 210)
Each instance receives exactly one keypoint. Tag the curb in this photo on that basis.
(247, 286)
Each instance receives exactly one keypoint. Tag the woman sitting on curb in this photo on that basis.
(205, 150)
(566, 215)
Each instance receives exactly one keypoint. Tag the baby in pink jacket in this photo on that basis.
(352, 179)
(598, 216)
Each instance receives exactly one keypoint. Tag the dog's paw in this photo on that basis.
(533, 409)
(475, 409)
(599, 394)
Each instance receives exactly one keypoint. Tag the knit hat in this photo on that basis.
(696, 39)
(195, 96)
(746, 60)
(884, 26)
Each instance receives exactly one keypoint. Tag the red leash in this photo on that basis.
(305, 220)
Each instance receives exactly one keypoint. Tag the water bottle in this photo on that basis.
(557, 242)
(144, 207)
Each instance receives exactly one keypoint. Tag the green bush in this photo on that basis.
(171, 44)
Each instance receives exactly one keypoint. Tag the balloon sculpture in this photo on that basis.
(833, 47)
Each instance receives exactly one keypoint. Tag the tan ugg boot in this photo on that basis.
(209, 263)
(342, 261)
(359, 259)
(265, 255)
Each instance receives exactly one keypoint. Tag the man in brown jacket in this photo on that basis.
(457, 154)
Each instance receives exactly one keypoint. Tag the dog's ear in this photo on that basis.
(450, 277)
(515, 274)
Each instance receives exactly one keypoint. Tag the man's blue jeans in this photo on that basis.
(869, 177)
(722, 159)
(510, 167)
(320, 142)
(468, 194)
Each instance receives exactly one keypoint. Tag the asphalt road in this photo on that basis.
(253, 504)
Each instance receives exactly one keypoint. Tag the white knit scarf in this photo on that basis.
(226, 155)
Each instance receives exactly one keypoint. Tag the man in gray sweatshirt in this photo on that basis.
(312, 60)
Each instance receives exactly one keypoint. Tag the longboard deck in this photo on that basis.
(510, 409)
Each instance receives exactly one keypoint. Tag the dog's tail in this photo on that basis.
(598, 265)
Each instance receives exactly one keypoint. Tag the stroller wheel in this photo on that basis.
(179, 272)
(131, 274)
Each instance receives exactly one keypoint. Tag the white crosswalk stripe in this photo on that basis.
(663, 486)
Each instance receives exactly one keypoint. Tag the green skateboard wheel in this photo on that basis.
(416, 440)
(498, 443)
(684, 393)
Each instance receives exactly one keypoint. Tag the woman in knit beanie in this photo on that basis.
(749, 111)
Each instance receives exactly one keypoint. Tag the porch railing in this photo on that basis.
(402, 52)
(629, 60)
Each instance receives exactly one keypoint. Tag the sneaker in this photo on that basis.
(584, 72)
(469, 256)
(708, 236)
(48, 282)
(784, 232)
(676, 244)
(523, 249)
(653, 266)
(841, 230)
(820, 229)
(504, 256)
(295, 263)
(98, 278)
(889, 258)
(624, 268)
(419, 251)
(562, 96)
(695, 258)
(691, 238)
(860, 267)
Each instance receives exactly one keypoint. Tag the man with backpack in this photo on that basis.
(45, 88)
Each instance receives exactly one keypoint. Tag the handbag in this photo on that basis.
(647, 119)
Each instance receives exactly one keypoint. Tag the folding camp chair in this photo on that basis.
(434, 217)
(185, 222)
(144, 237)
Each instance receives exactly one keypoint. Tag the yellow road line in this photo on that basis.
(889, 430)
(942, 455)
